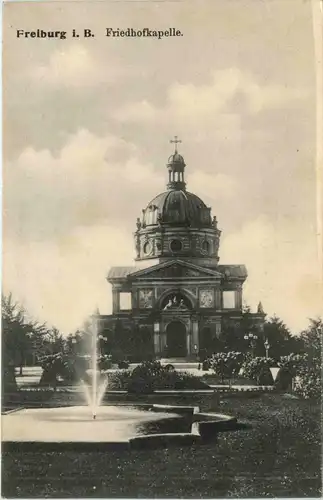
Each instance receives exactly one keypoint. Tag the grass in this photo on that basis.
(279, 456)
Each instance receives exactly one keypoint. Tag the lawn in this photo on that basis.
(278, 456)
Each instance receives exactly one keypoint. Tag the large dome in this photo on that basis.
(177, 223)
(177, 207)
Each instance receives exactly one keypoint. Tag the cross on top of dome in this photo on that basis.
(175, 141)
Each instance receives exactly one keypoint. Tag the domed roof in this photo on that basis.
(176, 158)
(177, 207)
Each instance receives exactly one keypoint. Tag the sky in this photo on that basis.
(87, 124)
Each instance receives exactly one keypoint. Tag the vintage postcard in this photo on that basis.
(162, 249)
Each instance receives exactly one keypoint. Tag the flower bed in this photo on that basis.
(151, 376)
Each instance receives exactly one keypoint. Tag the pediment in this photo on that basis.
(176, 269)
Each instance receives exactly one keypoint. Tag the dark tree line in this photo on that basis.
(280, 339)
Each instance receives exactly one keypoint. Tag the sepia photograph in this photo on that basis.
(162, 293)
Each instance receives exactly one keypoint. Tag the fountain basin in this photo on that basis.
(76, 424)
(73, 427)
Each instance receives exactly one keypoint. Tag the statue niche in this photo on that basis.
(176, 301)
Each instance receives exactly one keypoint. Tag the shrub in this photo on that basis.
(305, 369)
(150, 376)
(308, 383)
(226, 364)
(123, 364)
(105, 362)
(258, 369)
(284, 379)
(291, 363)
(288, 369)
(70, 368)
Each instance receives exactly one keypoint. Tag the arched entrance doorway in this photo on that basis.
(176, 339)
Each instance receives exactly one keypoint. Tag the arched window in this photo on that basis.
(206, 246)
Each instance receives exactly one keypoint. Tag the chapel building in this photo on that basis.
(176, 297)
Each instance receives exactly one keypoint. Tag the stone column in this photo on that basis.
(162, 338)
(157, 346)
(188, 342)
(218, 328)
(134, 298)
(238, 297)
(115, 301)
(218, 299)
(163, 342)
(195, 333)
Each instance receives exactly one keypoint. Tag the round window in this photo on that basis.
(206, 246)
(176, 245)
(147, 247)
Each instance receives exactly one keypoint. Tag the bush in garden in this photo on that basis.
(284, 380)
(265, 376)
(123, 364)
(150, 376)
(306, 372)
(292, 362)
(105, 362)
(70, 369)
(258, 369)
(226, 364)
(308, 383)
(306, 369)
(53, 367)
(309, 372)
(206, 365)
(289, 366)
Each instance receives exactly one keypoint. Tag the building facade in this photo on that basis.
(176, 299)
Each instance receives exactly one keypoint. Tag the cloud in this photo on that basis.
(138, 111)
(214, 187)
(283, 276)
(230, 91)
(91, 179)
(62, 282)
(76, 66)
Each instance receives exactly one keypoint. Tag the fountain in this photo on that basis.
(95, 395)
(104, 425)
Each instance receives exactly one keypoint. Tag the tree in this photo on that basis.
(311, 339)
(309, 383)
(16, 340)
(280, 339)
(55, 341)
(233, 333)
(17, 332)
(23, 336)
